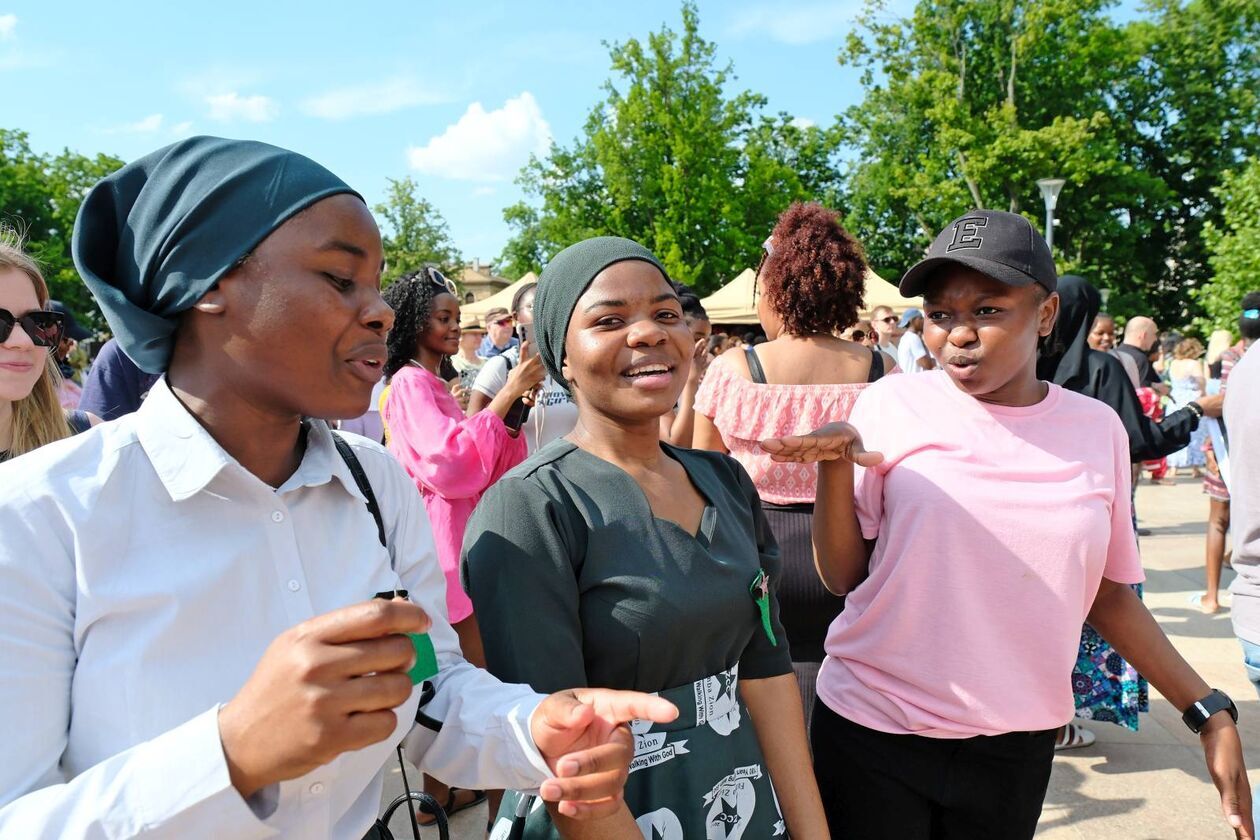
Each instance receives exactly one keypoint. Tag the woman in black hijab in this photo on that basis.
(1104, 686)
(1068, 361)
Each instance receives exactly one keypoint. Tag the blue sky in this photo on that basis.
(457, 95)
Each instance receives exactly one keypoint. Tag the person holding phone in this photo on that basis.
(543, 416)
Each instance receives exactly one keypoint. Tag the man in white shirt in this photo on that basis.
(912, 354)
(189, 641)
(884, 322)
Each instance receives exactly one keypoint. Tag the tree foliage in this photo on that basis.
(416, 235)
(672, 160)
(968, 103)
(40, 197)
(1234, 248)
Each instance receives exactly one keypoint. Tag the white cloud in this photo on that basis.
(371, 98)
(229, 107)
(148, 125)
(796, 23)
(182, 129)
(486, 145)
(483, 191)
(803, 123)
(8, 25)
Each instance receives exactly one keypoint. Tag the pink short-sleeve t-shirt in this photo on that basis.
(994, 526)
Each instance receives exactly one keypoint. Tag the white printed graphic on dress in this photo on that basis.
(661, 825)
(731, 804)
(717, 702)
(651, 748)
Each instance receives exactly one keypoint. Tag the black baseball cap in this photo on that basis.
(1004, 246)
(73, 329)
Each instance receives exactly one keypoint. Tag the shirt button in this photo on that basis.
(294, 586)
(317, 788)
(277, 516)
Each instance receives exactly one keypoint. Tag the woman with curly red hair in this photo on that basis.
(809, 288)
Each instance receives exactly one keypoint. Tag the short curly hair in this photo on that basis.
(411, 297)
(815, 279)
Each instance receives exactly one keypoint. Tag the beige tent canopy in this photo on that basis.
(500, 299)
(734, 304)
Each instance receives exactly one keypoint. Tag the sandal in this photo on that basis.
(451, 808)
(1196, 600)
(1073, 736)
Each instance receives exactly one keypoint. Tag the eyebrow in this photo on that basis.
(615, 303)
(341, 245)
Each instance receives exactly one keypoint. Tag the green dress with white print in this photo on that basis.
(575, 583)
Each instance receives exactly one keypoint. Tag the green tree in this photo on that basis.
(40, 197)
(1191, 112)
(416, 235)
(1233, 246)
(673, 160)
(967, 104)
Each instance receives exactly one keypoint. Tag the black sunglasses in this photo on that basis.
(44, 328)
(857, 335)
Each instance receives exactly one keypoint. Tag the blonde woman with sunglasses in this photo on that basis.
(30, 411)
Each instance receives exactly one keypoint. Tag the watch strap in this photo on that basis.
(1197, 715)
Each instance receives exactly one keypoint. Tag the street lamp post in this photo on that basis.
(1050, 194)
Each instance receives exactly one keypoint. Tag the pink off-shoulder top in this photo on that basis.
(747, 413)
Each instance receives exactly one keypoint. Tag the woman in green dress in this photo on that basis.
(611, 559)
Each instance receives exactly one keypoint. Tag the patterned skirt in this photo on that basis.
(701, 776)
(1105, 686)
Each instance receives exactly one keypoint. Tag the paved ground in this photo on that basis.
(1148, 785)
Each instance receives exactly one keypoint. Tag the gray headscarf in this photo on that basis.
(155, 236)
(564, 280)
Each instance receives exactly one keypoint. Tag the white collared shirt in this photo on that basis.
(143, 572)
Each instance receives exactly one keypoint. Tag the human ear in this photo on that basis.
(1048, 314)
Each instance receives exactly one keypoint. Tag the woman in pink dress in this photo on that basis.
(809, 288)
(452, 459)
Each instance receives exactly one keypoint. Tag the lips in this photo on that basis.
(649, 375)
(368, 363)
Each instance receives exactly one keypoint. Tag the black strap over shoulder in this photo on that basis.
(877, 365)
(78, 421)
(755, 370)
(365, 487)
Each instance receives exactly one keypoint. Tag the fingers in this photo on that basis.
(374, 693)
(594, 776)
(367, 728)
(624, 706)
(368, 620)
(368, 656)
(1236, 805)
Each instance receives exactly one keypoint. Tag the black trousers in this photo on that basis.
(910, 787)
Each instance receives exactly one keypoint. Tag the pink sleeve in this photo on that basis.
(713, 388)
(868, 484)
(454, 458)
(1124, 563)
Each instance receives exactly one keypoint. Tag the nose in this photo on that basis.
(377, 316)
(963, 335)
(646, 332)
(18, 337)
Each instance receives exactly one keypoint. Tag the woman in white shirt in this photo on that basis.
(189, 642)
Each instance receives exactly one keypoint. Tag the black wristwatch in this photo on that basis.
(1196, 717)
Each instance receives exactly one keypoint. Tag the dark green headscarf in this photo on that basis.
(564, 280)
(155, 236)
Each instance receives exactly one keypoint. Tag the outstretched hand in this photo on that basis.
(832, 442)
(583, 737)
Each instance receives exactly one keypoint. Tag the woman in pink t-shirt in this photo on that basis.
(987, 518)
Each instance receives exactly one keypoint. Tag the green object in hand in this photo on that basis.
(426, 658)
(760, 591)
